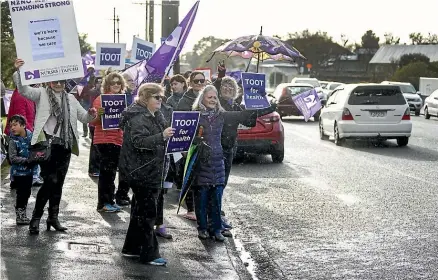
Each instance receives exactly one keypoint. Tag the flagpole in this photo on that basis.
(179, 41)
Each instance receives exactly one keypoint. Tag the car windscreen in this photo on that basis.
(297, 90)
(407, 89)
(314, 83)
(376, 96)
(334, 86)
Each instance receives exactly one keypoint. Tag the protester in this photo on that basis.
(142, 164)
(108, 143)
(21, 166)
(130, 87)
(197, 83)
(84, 97)
(179, 85)
(57, 114)
(94, 158)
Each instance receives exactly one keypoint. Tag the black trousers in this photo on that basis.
(122, 189)
(85, 128)
(109, 160)
(228, 161)
(24, 189)
(160, 208)
(53, 173)
(94, 159)
(141, 238)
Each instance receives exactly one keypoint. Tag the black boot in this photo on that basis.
(52, 220)
(22, 218)
(34, 227)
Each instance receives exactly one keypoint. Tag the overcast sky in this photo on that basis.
(234, 18)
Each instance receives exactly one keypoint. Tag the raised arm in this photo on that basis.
(27, 91)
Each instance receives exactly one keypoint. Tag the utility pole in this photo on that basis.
(146, 16)
(118, 30)
(114, 23)
(169, 21)
(151, 20)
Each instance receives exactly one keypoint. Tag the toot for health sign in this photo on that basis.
(46, 39)
(185, 125)
(109, 55)
(114, 104)
(141, 49)
(254, 91)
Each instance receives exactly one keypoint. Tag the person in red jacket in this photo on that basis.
(21, 106)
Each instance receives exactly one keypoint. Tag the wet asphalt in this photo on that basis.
(355, 212)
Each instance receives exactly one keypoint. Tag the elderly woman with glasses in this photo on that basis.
(142, 166)
(108, 143)
(57, 114)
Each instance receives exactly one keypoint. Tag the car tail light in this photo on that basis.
(407, 115)
(271, 119)
(347, 116)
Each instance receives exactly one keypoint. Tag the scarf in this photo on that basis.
(62, 114)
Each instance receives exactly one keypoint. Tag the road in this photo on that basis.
(328, 212)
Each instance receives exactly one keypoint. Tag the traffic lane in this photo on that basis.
(414, 160)
(332, 212)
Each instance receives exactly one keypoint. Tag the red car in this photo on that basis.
(267, 137)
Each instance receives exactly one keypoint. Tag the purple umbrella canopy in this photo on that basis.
(260, 47)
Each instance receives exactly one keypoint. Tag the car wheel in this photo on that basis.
(239, 156)
(317, 115)
(278, 156)
(402, 141)
(426, 113)
(338, 141)
(322, 136)
(417, 113)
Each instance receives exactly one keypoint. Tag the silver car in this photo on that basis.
(412, 97)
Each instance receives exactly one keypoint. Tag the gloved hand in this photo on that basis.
(221, 69)
(100, 111)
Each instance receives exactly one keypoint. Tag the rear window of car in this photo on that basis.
(297, 90)
(314, 83)
(376, 96)
(334, 86)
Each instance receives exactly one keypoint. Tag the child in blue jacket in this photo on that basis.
(21, 167)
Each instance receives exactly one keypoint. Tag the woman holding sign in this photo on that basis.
(108, 141)
(141, 165)
(57, 114)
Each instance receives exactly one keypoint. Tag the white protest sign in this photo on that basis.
(46, 38)
(206, 72)
(110, 55)
(141, 49)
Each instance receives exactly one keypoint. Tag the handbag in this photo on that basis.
(40, 152)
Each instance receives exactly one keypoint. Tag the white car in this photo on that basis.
(315, 83)
(410, 93)
(431, 105)
(372, 111)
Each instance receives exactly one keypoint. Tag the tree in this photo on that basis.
(412, 72)
(317, 47)
(8, 53)
(416, 38)
(84, 45)
(390, 39)
(411, 58)
(370, 40)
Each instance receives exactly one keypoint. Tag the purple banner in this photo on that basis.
(114, 104)
(254, 92)
(185, 125)
(308, 103)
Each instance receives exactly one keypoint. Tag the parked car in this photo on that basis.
(410, 93)
(315, 83)
(284, 94)
(330, 87)
(431, 105)
(267, 137)
(366, 111)
(323, 84)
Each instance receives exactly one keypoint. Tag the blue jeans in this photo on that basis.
(208, 205)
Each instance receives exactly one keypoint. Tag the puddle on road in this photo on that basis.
(246, 258)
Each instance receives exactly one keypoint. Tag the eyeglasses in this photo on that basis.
(113, 83)
(201, 81)
(158, 97)
(58, 82)
(227, 87)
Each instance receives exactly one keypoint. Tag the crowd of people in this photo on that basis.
(45, 137)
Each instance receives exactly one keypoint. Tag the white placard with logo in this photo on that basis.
(46, 38)
(141, 49)
(110, 55)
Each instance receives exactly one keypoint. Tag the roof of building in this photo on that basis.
(392, 53)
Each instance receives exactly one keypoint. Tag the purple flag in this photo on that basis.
(308, 103)
(162, 60)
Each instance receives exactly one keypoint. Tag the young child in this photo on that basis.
(21, 167)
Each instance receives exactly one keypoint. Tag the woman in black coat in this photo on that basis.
(141, 165)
